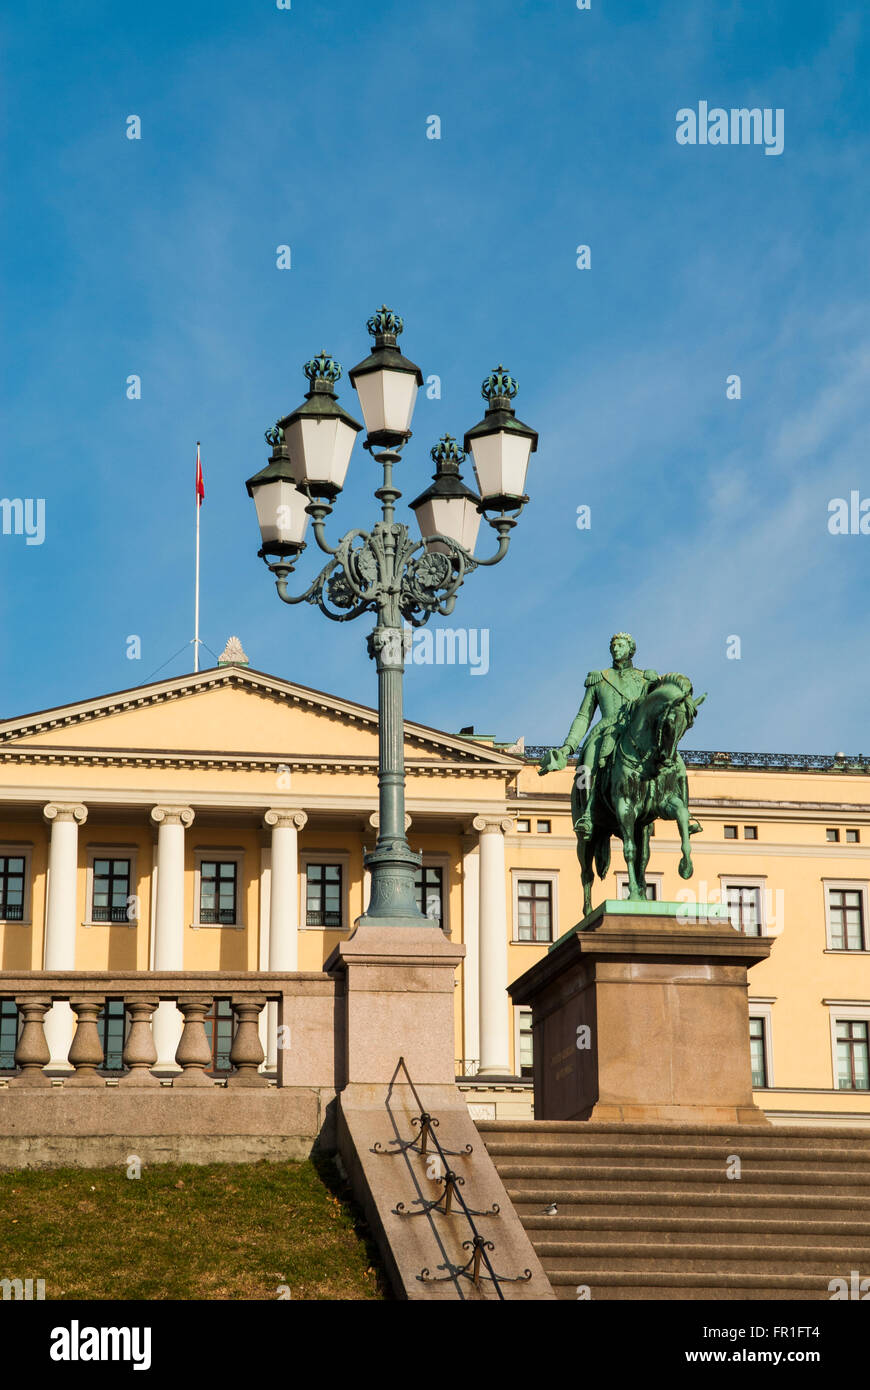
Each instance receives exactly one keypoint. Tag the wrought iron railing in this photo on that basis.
(700, 757)
(110, 914)
(478, 1246)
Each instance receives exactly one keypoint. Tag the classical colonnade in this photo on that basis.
(485, 921)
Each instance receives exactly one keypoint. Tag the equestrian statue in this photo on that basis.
(629, 770)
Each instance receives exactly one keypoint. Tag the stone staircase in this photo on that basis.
(648, 1212)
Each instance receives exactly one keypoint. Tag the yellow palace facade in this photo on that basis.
(218, 821)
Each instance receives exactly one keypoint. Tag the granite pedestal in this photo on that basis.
(640, 1013)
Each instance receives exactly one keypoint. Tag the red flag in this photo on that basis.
(200, 486)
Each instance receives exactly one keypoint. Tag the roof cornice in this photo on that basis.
(178, 687)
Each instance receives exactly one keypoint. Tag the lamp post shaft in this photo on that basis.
(393, 864)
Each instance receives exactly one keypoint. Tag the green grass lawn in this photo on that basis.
(228, 1231)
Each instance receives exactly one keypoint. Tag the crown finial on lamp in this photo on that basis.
(322, 371)
(499, 388)
(446, 455)
(385, 326)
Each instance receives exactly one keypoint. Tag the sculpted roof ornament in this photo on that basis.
(233, 654)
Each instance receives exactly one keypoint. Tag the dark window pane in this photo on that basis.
(219, 1028)
(757, 1051)
(112, 1028)
(846, 913)
(217, 894)
(8, 1032)
(526, 1067)
(534, 910)
(323, 895)
(111, 890)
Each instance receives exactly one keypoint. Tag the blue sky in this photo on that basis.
(307, 127)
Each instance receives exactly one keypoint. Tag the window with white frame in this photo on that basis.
(429, 887)
(846, 915)
(15, 883)
(111, 889)
(523, 1042)
(757, 1051)
(850, 1044)
(744, 898)
(761, 1042)
(534, 905)
(324, 887)
(323, 895)
(218, 887)
(111, 886)
(853, 1054)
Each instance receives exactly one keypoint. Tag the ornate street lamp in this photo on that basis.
(448, 507)
(501, 445)
(386, 571)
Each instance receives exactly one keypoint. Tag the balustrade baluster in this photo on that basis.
(86, 1052)
(246, 1053)
(140, 1053)
(32, 1052)
(194, 1053)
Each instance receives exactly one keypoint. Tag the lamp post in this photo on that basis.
(385, 571)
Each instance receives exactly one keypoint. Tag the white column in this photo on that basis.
(471, 941)
(284, 897)
(171, 822)
(267, 1021)
(59, 952)
(493, 944)
(283, 909)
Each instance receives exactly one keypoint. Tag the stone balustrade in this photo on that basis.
(305, 1011)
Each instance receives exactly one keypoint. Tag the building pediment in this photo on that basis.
(229, 716)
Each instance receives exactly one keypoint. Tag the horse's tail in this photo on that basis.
(602, 853)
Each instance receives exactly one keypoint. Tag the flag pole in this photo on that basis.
(196, 589)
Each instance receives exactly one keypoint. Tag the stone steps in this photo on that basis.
(616, 1231)
(616, 1285)
(711, 1257)
(613, 1202)
(644, 1154)
(647, 1212)
(672, 1178)
(761, 1137)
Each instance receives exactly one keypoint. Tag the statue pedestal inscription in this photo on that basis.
(640, 1014)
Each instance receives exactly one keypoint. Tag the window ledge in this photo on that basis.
(133, 923)
(15, 922)
(845, 951)
(217, 926)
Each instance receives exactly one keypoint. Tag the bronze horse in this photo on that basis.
(644, 779)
